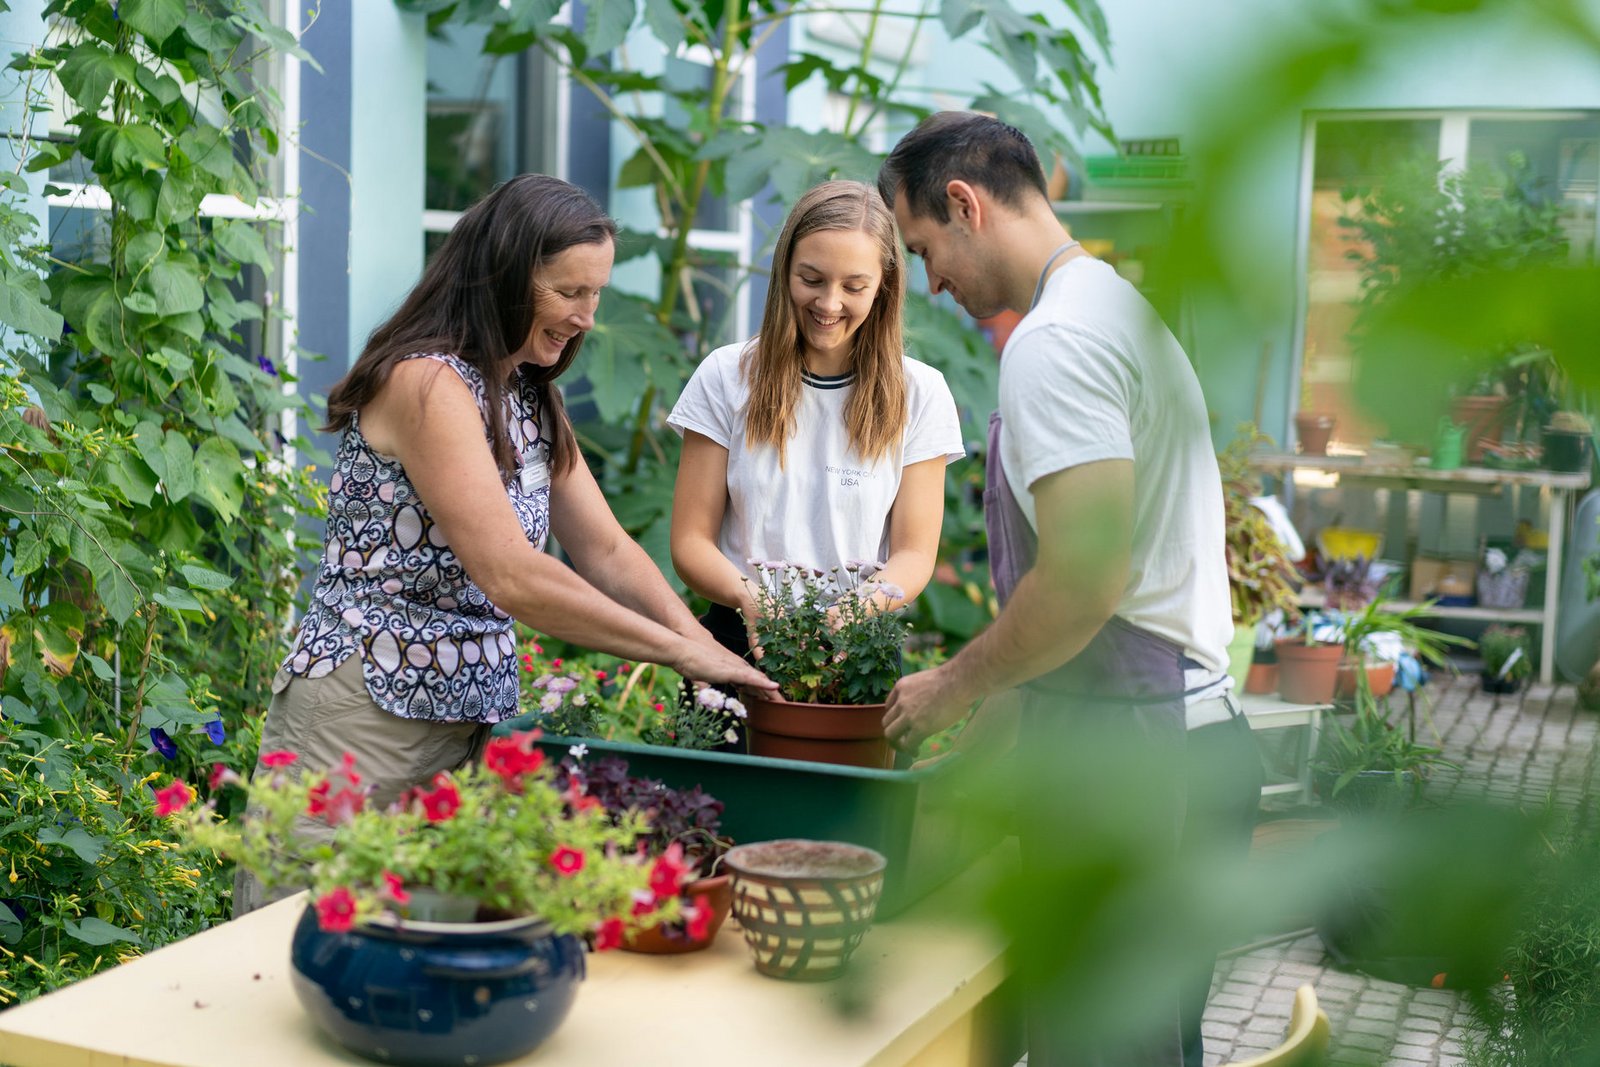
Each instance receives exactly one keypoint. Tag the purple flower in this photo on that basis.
(163, 743)
(267, 365)
(215, 731)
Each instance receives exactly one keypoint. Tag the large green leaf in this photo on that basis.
(108, 561)
(138, 145)
(200, 577)
(180, 477)
(89, 70)
(156, 19)
(93, 931)
(22, 308)
(606, 24)
(618, 352)
(82, 843)
(208, 149)
(241, 241)
(221, 477)
(148, 440)
(796, 160)
(176, 285)
(664, 21)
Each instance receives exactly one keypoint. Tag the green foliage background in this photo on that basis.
(150, 536)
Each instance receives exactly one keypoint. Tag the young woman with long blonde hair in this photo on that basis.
(819, 441)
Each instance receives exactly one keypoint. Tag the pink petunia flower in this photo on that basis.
(336, 910)
(395, 888)
(274, 760)
(669, 872)
(443, 802)
(608, 935)
(174, 798)
(698, 921)
(567, 861)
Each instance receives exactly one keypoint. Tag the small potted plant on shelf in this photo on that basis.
(1507, 658)
(1309, 658)
(1568, 442)
(480, 887)
(1261, 577)
(682, 823)
(1375, 640)
(835, 653)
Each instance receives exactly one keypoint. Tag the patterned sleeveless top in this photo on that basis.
(432, 646)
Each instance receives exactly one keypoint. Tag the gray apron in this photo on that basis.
(1101, 760)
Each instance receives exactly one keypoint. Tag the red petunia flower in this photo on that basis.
(336, 910)
(599, 676)
(347, 767)
(274, 760)
(442, 804)
(658, 708)
(174, 798)
(698, 921)
(624, 668)
(608, 935)
(317, 799)
(395, 888)
(669, 872)
(567, 861)
(343, 805)
(511, 758)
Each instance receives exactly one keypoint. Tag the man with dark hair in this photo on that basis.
(1105, 517)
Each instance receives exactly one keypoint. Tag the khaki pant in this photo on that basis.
(320, 719)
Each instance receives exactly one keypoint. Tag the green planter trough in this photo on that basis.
(920, 820)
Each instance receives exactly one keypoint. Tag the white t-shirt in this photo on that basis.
(1092, 373)
(825, 505)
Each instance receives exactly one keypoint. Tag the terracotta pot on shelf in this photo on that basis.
(715, 892)
(846, 734)
(1313, 429)
(1482, 416)
(1380, 679)
(1308, 674)
(1262, 679)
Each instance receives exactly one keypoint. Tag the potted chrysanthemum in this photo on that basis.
(536, 868)
(835, 654)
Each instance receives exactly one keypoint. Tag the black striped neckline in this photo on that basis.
(827, 381)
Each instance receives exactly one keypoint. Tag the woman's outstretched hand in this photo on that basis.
(707, 661)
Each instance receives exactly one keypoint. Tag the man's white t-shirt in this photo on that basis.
(1092, 373)
(825, 505)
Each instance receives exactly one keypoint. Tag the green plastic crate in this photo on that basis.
(920, 820)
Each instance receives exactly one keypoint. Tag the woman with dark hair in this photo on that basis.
(456, 461)
(819, 441)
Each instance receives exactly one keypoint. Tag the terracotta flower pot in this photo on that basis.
(1262, 679)
(804, 905)
(847, 734)
(1380, 680)
(1308, 674)
(715, 892)
(1313, 429)
(1482, 416)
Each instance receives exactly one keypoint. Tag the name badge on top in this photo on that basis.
(535, 469)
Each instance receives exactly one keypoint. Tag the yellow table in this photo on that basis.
(925, 988)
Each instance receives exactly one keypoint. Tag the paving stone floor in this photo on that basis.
(1517, 749)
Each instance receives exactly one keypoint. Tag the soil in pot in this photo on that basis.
(804, 905)
(671, 938)
(846, 734)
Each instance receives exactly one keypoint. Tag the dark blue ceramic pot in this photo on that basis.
(430, 994)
